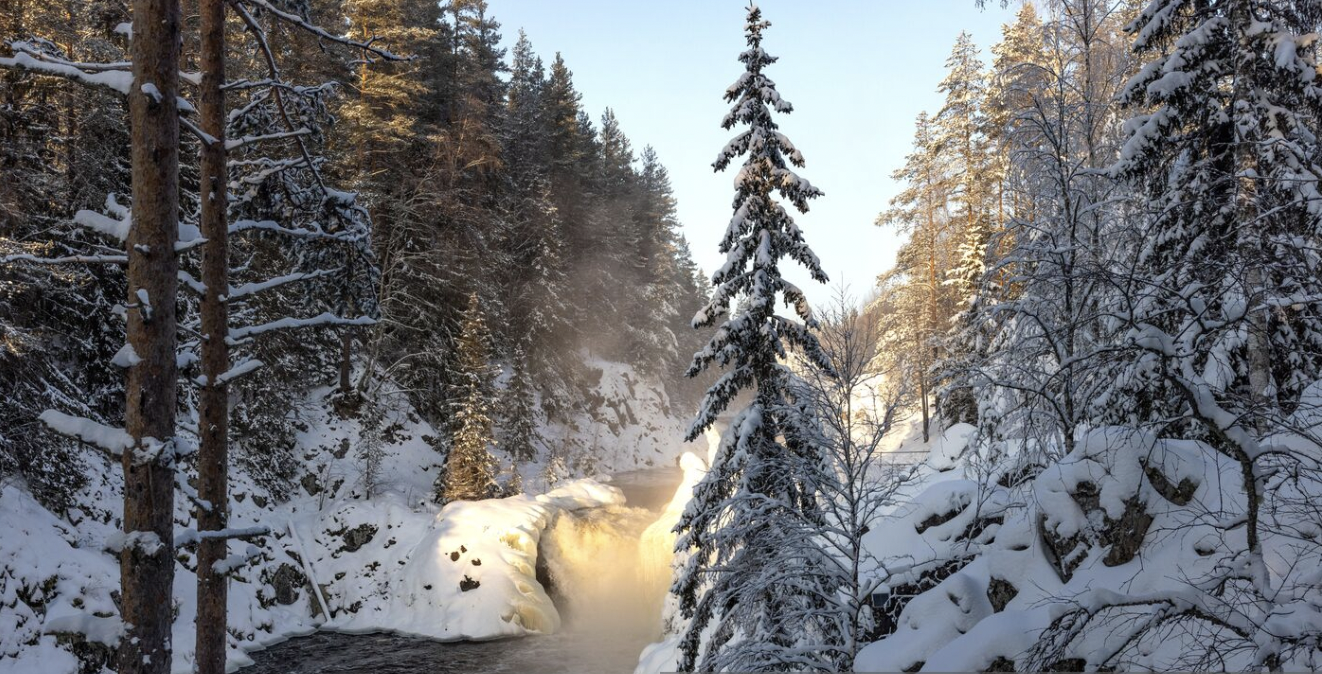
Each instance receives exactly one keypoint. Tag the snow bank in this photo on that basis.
(53, 584)
(949, 446)
(981, 569)
(468, 573)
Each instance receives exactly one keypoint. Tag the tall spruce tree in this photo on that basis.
(751, 606)
(470, 469)
(536, 288)
(653, 270)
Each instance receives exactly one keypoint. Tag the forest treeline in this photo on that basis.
(1113, 161)
(479, 172)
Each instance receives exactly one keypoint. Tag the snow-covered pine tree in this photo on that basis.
(960, 134)
(470, 469)
(694, 294)
(982, 277)
(649, 342)
(1018, 71)
(751, 601)
(538, 299)
(613, 286)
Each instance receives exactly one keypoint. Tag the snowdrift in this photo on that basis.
(1064, 566)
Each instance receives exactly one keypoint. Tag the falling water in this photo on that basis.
(603, 580)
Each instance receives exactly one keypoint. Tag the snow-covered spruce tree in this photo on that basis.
(1227, 159)
(470, 469)
(1015, 75)
(537, 295)
(520, 436)
(649, 342)
(1220, 324)
(753, 603)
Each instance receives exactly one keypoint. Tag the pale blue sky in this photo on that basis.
(857, 72)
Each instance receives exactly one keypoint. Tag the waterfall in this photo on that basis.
(606, 577)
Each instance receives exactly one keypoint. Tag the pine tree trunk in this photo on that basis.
(213, 401)
(932, 313)
(147, 559)
(922, 393)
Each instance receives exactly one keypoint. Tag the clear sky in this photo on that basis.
(857, 71)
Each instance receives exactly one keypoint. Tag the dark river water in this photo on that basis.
(608, 620)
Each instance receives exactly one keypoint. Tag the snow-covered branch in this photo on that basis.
(113, 440)
(237, 335)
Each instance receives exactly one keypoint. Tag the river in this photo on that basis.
(608, 593)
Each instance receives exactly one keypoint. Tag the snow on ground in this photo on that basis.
(393, 561)
(977, 562)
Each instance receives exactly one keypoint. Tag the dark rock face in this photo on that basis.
(1068, 665)
(311, 484)
(357, 537)
(999, 592)
(1179, 494)
(937, 519)
(887, 607)
(1063, 553)
(1121, 536)
(93, 656)
(1125, 535)
(288, 582)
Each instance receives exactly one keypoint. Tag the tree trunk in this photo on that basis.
(1249, 228)
(346, 361)
(213, 401)
(147, 558)
(922, 393)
